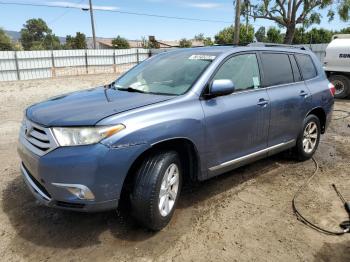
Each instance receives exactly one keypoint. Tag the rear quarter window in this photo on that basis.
(277, 69)
(296, 72)
(306, 66)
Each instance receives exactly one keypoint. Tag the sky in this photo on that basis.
(108, 23)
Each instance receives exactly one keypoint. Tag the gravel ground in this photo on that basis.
(244, 215)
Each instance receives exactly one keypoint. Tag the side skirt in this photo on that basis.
(240, 161)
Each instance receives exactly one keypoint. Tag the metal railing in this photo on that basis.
(25, 65)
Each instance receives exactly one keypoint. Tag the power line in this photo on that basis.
(120, 12)
(61, 15)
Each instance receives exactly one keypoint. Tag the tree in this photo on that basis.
(260, 35)
(199, 37)
(69, 42)
(225, 36)
(299, 36)
(290, 13)
(184, 43)
(345, 31)
(120, 43)
(149, 43)
(52, 42)
(33, 33)
(274, 35)
(5, 41)
(314, 36)
(207, 41)
(36, 35)
(319, 36)
(77, 42)
(80, 41)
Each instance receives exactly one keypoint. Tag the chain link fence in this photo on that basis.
(319, 50)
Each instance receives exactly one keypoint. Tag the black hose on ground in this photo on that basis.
(344, 225)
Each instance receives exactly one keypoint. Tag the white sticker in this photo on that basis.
(256, 81)
(202, 57)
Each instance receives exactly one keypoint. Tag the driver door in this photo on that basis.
(236, 124)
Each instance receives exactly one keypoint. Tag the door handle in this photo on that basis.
(262, 102)
(303, 94)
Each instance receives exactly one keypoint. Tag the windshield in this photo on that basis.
(168, 74)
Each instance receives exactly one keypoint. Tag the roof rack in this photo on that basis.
(261, 44)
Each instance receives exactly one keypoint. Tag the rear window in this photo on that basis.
(277, 69)
(306, 66)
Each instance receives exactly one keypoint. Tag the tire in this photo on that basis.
(308, 139)
(341, 84)
(148, 207)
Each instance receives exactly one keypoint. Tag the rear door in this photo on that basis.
(288, 95)
(315, 81)
(236, 124)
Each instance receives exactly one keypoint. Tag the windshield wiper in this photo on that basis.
(131, 89)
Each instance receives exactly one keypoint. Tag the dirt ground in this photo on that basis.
(244, 215)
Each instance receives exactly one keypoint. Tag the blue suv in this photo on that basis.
(184, 115)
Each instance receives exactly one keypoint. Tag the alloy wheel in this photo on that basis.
(310, 137)
(168, 190)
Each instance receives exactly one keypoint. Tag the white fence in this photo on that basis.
(24, 65)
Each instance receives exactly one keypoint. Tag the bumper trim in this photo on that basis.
(31, 183)
(84, 192)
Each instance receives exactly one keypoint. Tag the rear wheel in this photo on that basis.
(341, 84)
(309, 138)
(156, 189)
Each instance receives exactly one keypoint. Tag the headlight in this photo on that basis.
(74, 136)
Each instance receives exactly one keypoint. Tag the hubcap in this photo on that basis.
(310, 137)
(339, 87)
(168, 190)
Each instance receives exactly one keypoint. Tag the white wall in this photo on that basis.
(24, 65)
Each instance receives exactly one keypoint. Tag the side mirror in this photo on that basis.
(221, 87)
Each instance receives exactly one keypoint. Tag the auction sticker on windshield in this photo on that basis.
(202, 57)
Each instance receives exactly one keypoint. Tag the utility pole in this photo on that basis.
(92, 23)
(237, 22)
(247, 17)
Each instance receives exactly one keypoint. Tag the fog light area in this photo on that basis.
(80, 191)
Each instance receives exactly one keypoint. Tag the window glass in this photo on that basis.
(277, 69)
(243, 70)
(170, 73)
(306, 65)
(296, 72)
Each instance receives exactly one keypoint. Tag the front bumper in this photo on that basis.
(100, 168)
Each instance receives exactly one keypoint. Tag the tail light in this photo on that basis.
(331, 88)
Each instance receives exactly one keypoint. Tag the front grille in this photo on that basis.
(37, 138)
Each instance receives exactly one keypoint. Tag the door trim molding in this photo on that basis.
(251, 156)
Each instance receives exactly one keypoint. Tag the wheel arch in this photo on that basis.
(188, 154)
(321, 115)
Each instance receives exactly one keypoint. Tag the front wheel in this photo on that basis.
(308, 139)
(156, 189)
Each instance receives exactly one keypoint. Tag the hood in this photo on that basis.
(86, 108)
